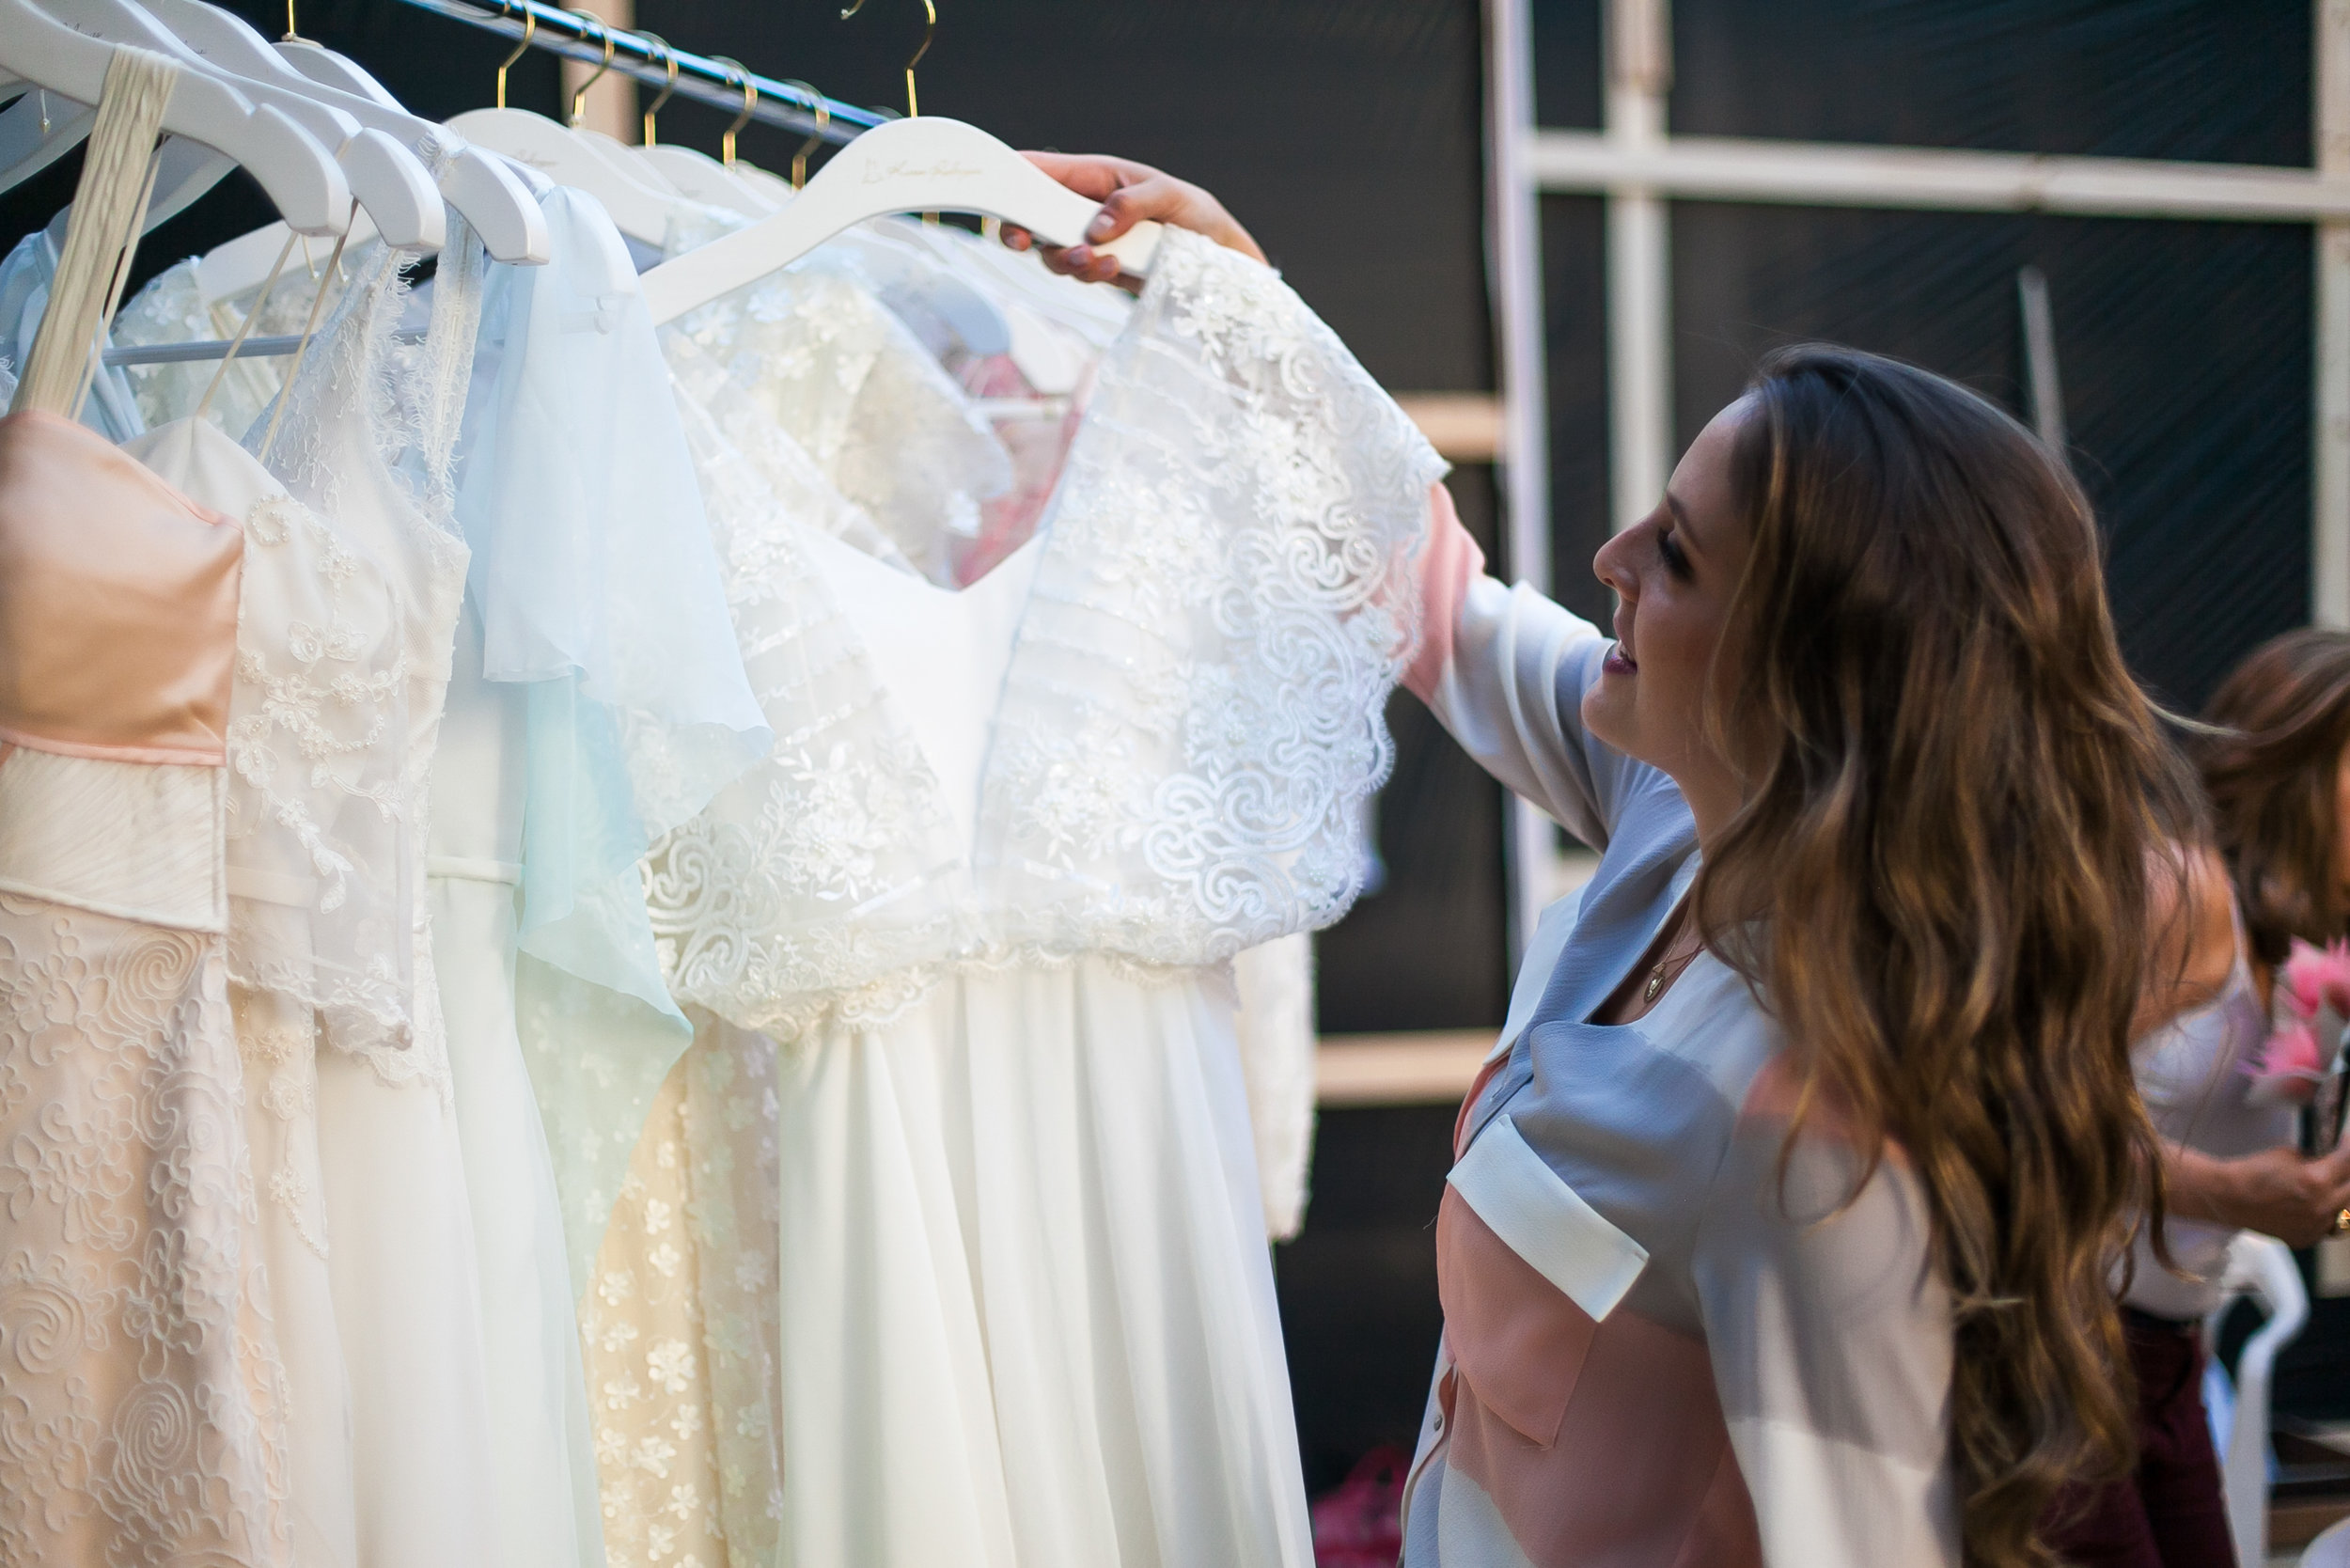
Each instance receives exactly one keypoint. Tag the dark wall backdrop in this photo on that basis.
(2184, 349)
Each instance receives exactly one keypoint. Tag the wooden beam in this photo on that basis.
(1407, 1069)
(1464, 427)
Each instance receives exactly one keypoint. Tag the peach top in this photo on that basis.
(117, 603)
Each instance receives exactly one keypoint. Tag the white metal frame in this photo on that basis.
(1639, 167)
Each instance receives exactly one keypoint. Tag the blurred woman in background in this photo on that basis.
(2276, 768)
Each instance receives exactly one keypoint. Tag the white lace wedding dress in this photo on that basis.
(367, 429)
(978, 910)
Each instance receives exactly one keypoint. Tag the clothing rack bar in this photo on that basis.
(698, 77)
(252, 348)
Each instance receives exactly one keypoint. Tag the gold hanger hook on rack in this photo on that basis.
(930, 29)
(667, 87)
(823, 111)
(579, 99)
(530, 26)
(750, 106)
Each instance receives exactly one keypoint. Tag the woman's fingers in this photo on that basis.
(1091, 174)
(1129, 193)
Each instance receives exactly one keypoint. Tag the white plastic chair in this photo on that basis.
(2331, 1549)
(2261, 1267)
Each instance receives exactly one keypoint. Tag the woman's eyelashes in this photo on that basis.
(1670, 554)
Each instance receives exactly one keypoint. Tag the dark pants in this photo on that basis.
(2169, 1513)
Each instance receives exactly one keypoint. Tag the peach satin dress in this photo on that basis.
(141, 1395)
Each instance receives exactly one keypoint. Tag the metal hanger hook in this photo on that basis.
(750, 106)
(930, 30)
(823, 111)
(530, 26)
(667, 87)
(579, 99)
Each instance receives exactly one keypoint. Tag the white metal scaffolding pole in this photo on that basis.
(1639, 265)
(1515, 262)
(2329, 479)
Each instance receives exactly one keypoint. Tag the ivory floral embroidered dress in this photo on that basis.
(320, 906)
(982, 900)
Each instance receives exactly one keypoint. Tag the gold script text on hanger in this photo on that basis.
(579, 99)
(750, 106)
(929, 29)
(824, 118)
(667, 87)
(530, 26)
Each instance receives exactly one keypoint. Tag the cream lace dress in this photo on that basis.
(974, 918)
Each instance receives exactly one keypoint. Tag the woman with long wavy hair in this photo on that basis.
(1782, 1219)
(1782, 1225)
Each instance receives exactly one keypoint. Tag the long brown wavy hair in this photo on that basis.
(1956, 804)
(2280, 724)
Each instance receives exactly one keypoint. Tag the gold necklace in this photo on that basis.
(1665, 967)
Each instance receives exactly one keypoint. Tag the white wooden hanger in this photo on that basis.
(636, 209)
(489, 195)
(622, 159)
(775, 187)
(326, 68)
(385, 178)
(231, 46)
(703, 178)
(299, 176)
(696, 176)
(38, 130)
(930, 164)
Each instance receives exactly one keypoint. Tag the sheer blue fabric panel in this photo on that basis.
(596, 584)
(598, 589)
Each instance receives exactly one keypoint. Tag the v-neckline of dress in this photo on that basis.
(982, 621)
(1042, 552)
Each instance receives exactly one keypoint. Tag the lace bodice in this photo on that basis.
(367, 432)
(1189, 725)
(318, 855)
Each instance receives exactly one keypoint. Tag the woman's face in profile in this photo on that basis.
(1673, 572)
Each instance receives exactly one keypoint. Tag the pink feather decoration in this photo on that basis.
(2288, 1069)
(2315, 977)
